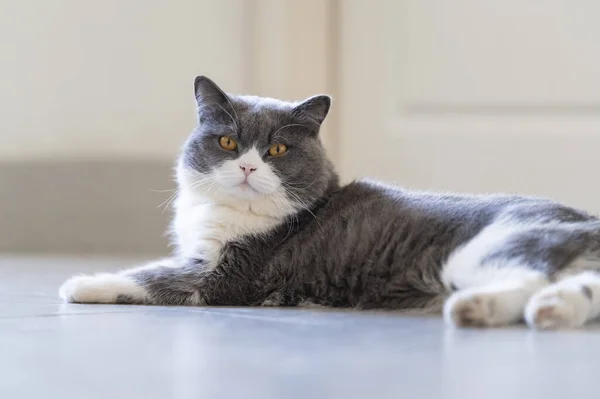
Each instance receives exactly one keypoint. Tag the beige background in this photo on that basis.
(97, 98)
(113, 78)
(110, 78)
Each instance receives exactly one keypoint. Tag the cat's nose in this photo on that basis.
(247, 168)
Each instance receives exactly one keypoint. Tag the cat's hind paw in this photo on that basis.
(470, 310)
(492, 306)
(557, 307)
(102, 288)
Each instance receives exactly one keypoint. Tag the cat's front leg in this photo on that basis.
(164, 282)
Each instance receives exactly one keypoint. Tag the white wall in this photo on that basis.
(107, 82)
(111, 78)
(474, 96)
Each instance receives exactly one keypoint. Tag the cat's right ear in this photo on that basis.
(208, 94)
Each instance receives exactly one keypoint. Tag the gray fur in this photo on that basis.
(363, 245)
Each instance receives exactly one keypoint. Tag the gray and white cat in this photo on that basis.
(260, 219)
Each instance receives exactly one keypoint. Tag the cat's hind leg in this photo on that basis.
(499, 302)
(568, 303)
(506, 263)
(489, 291)
(163, 282)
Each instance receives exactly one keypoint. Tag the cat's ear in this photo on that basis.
(208, 94)
(313, 109)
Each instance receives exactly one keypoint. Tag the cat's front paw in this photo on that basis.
(102, 288)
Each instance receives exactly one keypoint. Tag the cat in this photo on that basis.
(261, 220)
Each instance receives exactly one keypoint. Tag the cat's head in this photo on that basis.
(259, 154)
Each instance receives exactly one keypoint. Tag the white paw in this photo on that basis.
(490, 306)
(470, 309)
(558, 307)
(101, 288)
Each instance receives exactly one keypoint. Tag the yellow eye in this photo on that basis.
(277, 150)
(227, 143)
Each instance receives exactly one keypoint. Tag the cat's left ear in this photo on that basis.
(313, 109)
(208, 93)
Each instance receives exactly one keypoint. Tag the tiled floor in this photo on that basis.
(53, 350)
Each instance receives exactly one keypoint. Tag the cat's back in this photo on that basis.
(382, 204)
(376, 199)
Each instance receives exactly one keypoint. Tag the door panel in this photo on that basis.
(466, 95)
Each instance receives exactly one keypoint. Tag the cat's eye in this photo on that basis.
(277, 150)
(227, 143)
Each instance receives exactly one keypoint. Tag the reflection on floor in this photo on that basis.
(53, 350)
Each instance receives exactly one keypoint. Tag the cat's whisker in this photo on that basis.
(200, 183)
(169, 200)
(264, 182)
(196, 182)
(198, 178)
(291, 185)
(301, 203)
(212, 185)
(164, 191)
(290, 225)
(278, 200)
(210, 182)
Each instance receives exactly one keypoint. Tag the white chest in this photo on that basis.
(203, 229)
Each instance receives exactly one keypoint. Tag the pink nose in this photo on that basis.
(247, 169)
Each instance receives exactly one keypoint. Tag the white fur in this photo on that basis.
(465, 269)
(565, 304)
(493, 293)
(105, 287)
(494, 304)
(100, 288)
(222, 207)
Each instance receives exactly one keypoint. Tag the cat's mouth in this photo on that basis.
(246, 187)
